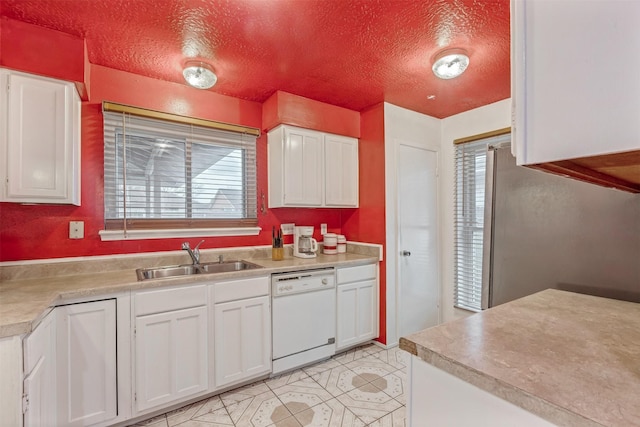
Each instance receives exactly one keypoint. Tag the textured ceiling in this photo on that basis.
(351, 53)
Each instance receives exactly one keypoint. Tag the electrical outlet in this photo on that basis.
(323, 229)
(287, 229)
(76, 229)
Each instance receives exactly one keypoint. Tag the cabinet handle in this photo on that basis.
(405, 253)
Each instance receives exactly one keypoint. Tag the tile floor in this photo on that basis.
(364, 386)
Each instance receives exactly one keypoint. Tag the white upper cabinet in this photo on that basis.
(341, 171)
(308, 168)
(575, 84)
(40, 139)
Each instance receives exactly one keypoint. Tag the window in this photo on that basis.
(470, 171)
(161, 174)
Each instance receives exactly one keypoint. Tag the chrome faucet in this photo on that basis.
(193, 253)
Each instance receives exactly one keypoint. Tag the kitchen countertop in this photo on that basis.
(572, 359)
(25, 301)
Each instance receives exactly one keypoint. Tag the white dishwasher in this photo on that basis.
(304, 317)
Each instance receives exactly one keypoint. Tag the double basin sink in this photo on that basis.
(190, 269)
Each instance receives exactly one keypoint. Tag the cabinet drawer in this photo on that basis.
(161, 300)
(240, 289)
(354, 274)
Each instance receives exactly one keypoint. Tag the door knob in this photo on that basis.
(405, 253)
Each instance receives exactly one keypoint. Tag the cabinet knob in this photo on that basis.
(405, 253)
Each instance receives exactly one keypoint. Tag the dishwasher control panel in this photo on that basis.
(302, 281)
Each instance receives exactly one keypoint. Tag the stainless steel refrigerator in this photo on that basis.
(546, 231)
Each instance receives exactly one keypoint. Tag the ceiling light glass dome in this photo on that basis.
(199, 75)
(450, 63)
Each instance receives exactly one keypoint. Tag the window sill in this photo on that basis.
(112, 235)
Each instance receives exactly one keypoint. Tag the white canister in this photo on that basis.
(342, 244)
(330, 244)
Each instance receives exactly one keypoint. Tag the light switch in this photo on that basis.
(323, 229)
(76, 229)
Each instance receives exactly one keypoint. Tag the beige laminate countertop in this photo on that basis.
(23, 302)
(572, 359)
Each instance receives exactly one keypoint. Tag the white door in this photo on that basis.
(86, 363)
(418, 272)
(242, 339)
(171, 356)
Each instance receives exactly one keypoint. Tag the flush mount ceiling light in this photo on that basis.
(199, 74)
(450, 63)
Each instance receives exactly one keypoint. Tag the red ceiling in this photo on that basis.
(350, 53)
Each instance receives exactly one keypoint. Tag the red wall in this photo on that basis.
(43, 51)
(367, 224)
(283, 107)
(42, 231)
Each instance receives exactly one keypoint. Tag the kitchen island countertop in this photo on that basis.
(572, 359)
(25, 301)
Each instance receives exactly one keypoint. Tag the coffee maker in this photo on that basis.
(304, 245)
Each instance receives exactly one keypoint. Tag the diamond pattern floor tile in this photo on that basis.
(364, 386)
(338, 380)
(331, 413)
(287, 378)
(183, 414)
(159, 421)
(213, 412)
(395, 419)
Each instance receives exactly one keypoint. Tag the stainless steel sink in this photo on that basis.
(226, 266)
(187, 270)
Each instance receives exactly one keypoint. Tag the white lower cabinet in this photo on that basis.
(171, 354)
(242, 330)
(104, 362)
(357, 309)
(39, 387)
(86, 363)
(70, 367)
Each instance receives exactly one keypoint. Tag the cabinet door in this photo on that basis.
(357, 313)
(590, 107)
(42, 141)
(171, 356)
(40, 369)
(303, 175)
(341, 171)
(86, 363)
(242, 340)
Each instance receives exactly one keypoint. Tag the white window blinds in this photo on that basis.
(163, 174)
(470, 174)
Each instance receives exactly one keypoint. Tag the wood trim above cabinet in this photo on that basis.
(619, 170)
